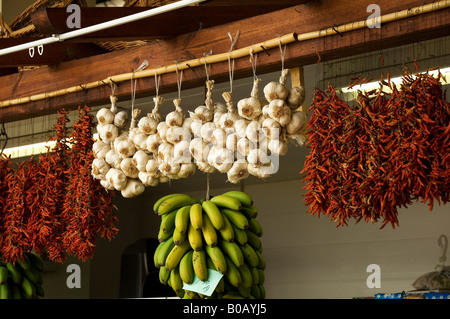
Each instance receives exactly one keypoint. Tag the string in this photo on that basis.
(179, 80)
(206, 67)
(231, 65)
(207, 185)
(253, 58)
(143, 65)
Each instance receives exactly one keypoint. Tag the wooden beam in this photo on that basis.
(300, 19)
(50, 21)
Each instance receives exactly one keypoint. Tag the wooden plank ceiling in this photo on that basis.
(189, 35)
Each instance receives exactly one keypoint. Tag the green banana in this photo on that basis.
(36, 261)
(5, 291)
(262, 276)
(255, 292)
(164, 275)
(39, 290)
(186, 268)
(34, 275)
(194, 237)
(209, 231)
(214, 214)
(245, 292)
(250, 212)
(162, 199)
(226, 202)
(232, 275)
(254, 240)
(182, 219)
(227, 232)
(175, 280)
(240, 236)
(28, 288)
(15, 292)
(4, 275)
(220, 288)
(168, 221)
(232, 296)
(250, 255)
(245, 199)
(178, 237)
(164, 235)
(175, 202)
(236, 217)
(196, 216)
(255, 226)
(233, 251)
(262, 291)
(199, 264)
(217, 257)
(262, 262)
(246, 276)
(175, 255)
(255, 275)
(161, 252)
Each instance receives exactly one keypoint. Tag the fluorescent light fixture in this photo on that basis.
(32, 149)
(366, 87)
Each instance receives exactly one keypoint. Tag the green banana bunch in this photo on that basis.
(221, 234)
(22, 278)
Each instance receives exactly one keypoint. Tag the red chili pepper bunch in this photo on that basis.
(54, 205)
(370, 158)
(88, 207)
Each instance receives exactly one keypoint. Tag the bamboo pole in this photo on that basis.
(234, 54)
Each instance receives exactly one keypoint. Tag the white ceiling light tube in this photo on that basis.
(101, 26)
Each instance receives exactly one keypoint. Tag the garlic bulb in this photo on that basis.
(181, 153)
(228, 119)
(106, 184)
(199, 149)
(175, 118)
(265, 110)
(99, 168)
(205, 167)
(108, 132)
(113, 100)
(219, 137)
(129, 168)
(202, 113)
(161, 130)
(147, 125)
(105, 116)
(152, 167)
(278, 146)
(258, 156)
(260, 171)
(140, 160)
(117, 178)
(279, 111)
(165, 151)
(113, 158)
(125, 148)
(250, 108)
(148, 180)
(121, 119)
(176, 134)
(297, 138)
(277, 90)
(196, 128)
(244, 146)
(231, 142)
(298, 119)
(164, 179)
(153, 141)
(222, 159)
(295, 97)
(254, 132)
(207, 130)
(100, 149)
(271, 128)
(133, 188)
(186, 170)
(238, 171)
(140, 141)
(169, 168)
(240, 126)
(132, 133)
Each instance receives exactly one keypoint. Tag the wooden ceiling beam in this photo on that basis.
(299, 19)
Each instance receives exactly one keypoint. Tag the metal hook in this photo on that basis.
(264, 49)
(31, 52)
(40, 49)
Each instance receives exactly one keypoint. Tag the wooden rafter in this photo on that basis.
(299, 19)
